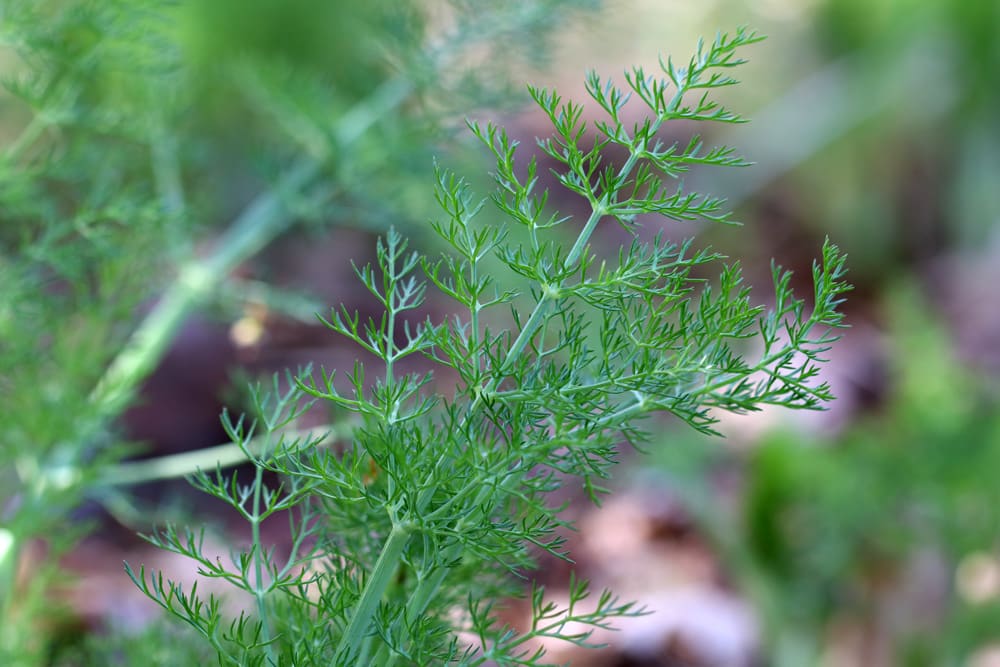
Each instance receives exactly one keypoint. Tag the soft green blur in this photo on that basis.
(879, 128)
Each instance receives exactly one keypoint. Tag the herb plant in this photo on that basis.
(407, 536)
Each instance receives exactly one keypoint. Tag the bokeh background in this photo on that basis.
(866, 535)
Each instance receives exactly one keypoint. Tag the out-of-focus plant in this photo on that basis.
(948, 111)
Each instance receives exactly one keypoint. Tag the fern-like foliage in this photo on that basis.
(405, 539)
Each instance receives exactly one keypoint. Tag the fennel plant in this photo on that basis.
(406, 537)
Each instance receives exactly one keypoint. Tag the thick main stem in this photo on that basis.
(375, 588)
(221, 456)
(256, 227)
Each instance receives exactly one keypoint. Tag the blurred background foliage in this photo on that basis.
(268, 141)
(868, 536)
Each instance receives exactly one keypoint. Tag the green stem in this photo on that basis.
(598, 211)
(256, 227)
(166, 167)
(8, 579)
(418, 603)
(259, 224)
(375, 588)
(187, 463)
(259, 589)
(31, 132)
(392, 410)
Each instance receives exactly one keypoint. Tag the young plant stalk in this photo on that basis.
(418, 522)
